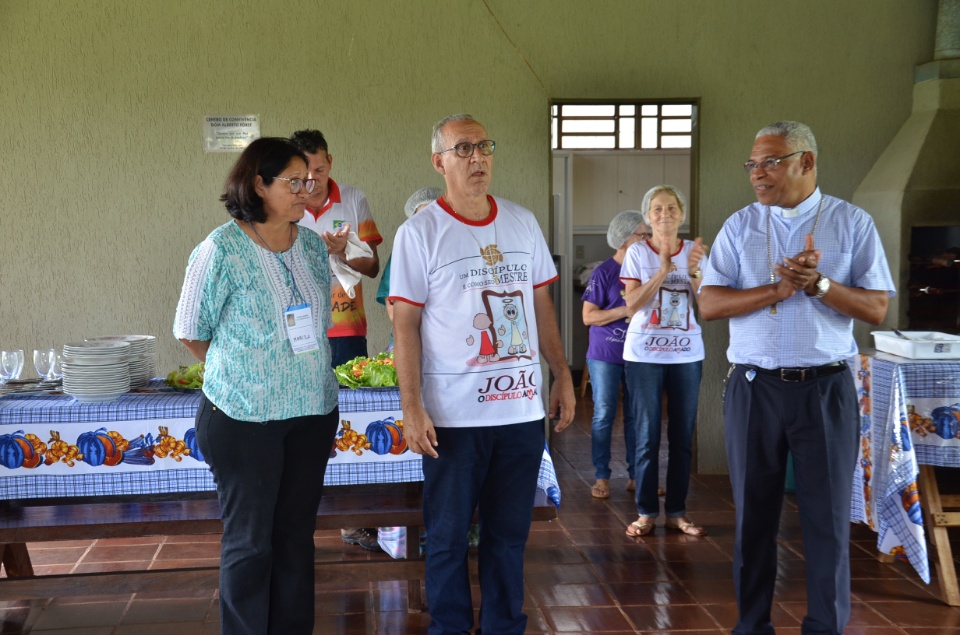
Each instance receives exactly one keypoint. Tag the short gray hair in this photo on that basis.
(798, 136)
(659, 189)
(622, 227)
(418, 198)
(437, 138)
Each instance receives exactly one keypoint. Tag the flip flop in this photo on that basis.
(640, 527)
(684, 525)
(600, 489)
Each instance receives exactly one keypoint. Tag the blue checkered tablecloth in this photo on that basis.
(139, 414)
(18, 410)
(906, 412)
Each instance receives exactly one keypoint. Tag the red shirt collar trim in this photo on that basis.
(333, 196)
(476, 223)
(679, 249)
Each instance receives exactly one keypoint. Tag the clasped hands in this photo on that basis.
(800, 272)
(337, 241)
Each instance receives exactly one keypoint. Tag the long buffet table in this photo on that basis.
(144, 443)
(910, 421)
(62, 463)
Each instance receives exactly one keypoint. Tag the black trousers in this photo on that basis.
(269, 481)
(817, 421)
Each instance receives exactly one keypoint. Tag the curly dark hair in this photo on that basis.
(265, 157)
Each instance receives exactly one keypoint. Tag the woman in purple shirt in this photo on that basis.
(606, 313)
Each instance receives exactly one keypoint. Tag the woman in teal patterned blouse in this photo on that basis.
(269, 414)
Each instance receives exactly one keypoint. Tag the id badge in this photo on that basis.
(300, 329)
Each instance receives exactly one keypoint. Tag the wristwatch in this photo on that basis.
(696, 273)
(823, 285)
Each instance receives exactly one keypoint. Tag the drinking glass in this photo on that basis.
(19, 355)
(57, 369)
(8, 366)
(44, 360)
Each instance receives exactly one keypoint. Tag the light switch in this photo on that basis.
(580, 253)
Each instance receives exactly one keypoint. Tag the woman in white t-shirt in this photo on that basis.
(663, 351)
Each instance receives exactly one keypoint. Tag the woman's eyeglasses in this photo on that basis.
(296, 184)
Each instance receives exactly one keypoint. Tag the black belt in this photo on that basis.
(801, 374)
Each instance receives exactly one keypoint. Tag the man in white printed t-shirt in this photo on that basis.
(472, 318)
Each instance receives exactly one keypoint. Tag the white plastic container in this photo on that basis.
(921, 345)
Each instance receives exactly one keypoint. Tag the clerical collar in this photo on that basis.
(809, 204)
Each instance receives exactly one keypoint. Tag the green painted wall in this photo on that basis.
(106, 189)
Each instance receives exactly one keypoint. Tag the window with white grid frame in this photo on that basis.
(623, 126)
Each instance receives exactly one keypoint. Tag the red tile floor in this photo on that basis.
(583, 575)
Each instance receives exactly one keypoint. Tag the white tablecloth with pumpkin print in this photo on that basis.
(144, 443)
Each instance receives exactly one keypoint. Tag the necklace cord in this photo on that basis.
(294, 291)
(773, 279)
(484, 251)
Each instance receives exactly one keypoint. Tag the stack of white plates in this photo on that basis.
(143, 356)
(96, 371)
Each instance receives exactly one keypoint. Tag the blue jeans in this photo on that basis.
(343, 349)
(496, 469)
(269, 480)
(606, 380)
(647, 383)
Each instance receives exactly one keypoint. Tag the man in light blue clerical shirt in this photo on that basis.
(792, 272)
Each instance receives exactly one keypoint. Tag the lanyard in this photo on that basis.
(295, 292)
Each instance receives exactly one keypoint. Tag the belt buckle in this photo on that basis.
(793, 374)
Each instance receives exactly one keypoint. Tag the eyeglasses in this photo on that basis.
(465, 149)
(296, 184)
(768, 164)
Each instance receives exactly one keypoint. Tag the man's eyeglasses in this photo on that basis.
(296, 184)
(465, 149)
(768, 164)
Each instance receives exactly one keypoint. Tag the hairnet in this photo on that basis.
(418, 198)
(622, 225)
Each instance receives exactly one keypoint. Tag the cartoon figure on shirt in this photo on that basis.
(518, 332)
(675, 311)
(508, 331)
(674, 301)
(654, 313)
(488, 351)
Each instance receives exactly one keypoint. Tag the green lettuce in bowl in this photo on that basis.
(368, 372)
(187, 377)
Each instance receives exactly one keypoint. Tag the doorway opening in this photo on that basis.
(606, 155)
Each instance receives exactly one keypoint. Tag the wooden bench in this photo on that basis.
(390, 505)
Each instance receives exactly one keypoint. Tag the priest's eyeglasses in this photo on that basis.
(768, 164)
